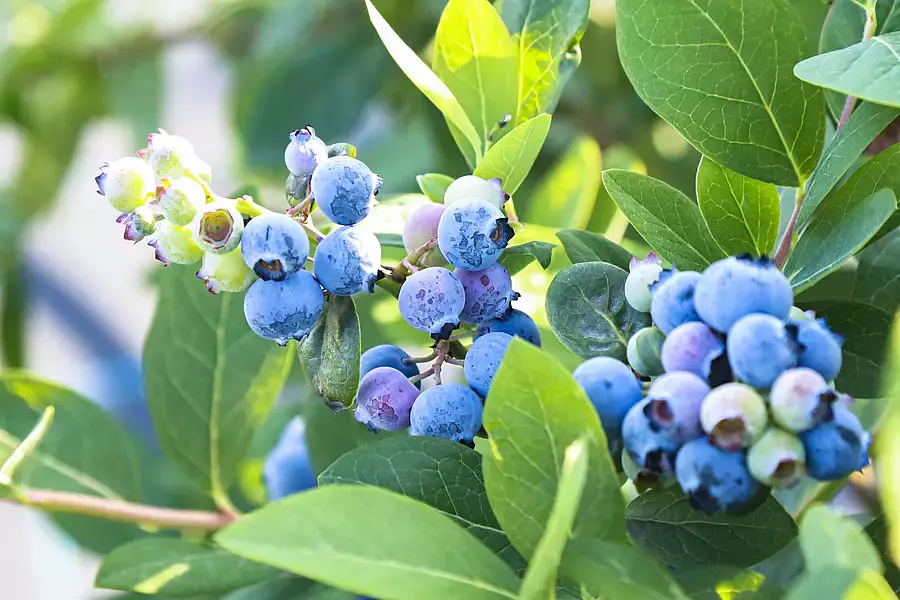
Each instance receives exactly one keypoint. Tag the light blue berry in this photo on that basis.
(673, 300)
(488, 293)
(388, 355)
(483, 360)
(344, 189)
(384, 399)
(431, 300)
(347, 261)
(818, 348)
(675, 403)
(692, 347)
(715, 480)
(652, 451)
(759, 350)
(305, 152)
(472, 234)
(274, 246)
(515, 323)
(451, 411)
(281, 310)
(612, 388)
(287, 469)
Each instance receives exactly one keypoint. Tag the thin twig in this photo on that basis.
(423, 375)
(455, 361)
(421, 359)
(28, 445)
(462, 336)
(784, 246)
(868, 32)
(403, 270)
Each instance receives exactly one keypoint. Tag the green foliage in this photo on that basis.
(829, 541)
(434, 185)
(584, 246)
(515, 258)
(512, 157)
(719, 582)
(888, 444)
(330, 353)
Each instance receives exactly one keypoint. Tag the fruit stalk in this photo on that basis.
(868, 32)
(405, 268)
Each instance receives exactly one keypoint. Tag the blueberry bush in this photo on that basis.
(710, 384)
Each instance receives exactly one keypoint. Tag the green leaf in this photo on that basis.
(390, 240)
(84, 451)
(878, 273)
(517, 257)
(424, 79)
(540, 579)
(434, 185)
(511, 158)
(475, 56)
(887, 445)
(877, 531)
(741, 213)
(867, 121)
(546, 34)
(371, 541)
(565, 196)
(608, 570)
(210, 380)
(330, 353)
(837, 233)
(440, 473)
(533, 412)
(584, 246)
(865, 331)
(587, 310)
(177, 568)
(720, 73)
(833, 541)
(663, 522)
(726, 583)
(840, 583)
(667, 219)
(850, 70)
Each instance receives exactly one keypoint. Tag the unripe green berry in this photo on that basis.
(778, 459)
(225, 272)
(642, 274)
(169, 156)
(181, 201)
(800, 399)
(472, 186)
(126, 183)
(342, 149)
(644, 351)
(798, 314)
(217, 227)
(139, 223)
(296, 189)
(175, 244)
(734, 415)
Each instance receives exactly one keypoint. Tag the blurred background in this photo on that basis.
(84, 81)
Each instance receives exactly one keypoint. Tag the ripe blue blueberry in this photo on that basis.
(420, 228)
(274, 246)
(181, 201)
(651, 450)
(126, 183)
(347, 261)
(305, 152)
(472, 186)
(175, 244)
(801, 399)
(472, 234)
(675, 400)
(431, 300)
(759, 350)
(384, 399)
(483, 360)
(451, 411)
(218, 226)
(733, 288)
(673, 300)
(488, 293)
(281, 310)
(287, 469)
(225, 272)
(388, 355)
(612, 388)
(644, 351)
(777, 459)
(817, 347)
(641, 275)
(734, 415)
(835, 448)
(692, 347)
(344, 189)
(515, 323)
(716, 480)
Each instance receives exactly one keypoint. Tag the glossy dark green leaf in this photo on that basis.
(533, 412)
(587, 310)
(663, 522)
(720, 72)
(520, 255)
(667, 219)
(330, 353)
(176, 567)
(565, 196)
(584, 246)
(511, 159)
(440, 473)
(290, 588)
(434, 185)
(878, 273)
(726, 583)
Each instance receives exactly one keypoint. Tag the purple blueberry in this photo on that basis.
(451, 411)
(612, 388)
(347, 261)
(384, 399)
(817, 347)
(733, 288)
(651, 450)
(420, 228)
(483, 360)
(759, 350)
(305, 152)
(274, 246)
(388, 355)
(835, 448)
(287, 469)
(675, 400)
(431, 300)
(716, 480)
(344, 189)
(692, 347)
(488, 293)
(472, 234)
(515, 323)
(281, 310)
(673, 299)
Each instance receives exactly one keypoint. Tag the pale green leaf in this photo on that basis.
(833, 541)
(512, 157)
(844, 584)
(887, 444)
(565, 196)
(726, 583)
(330, 353)
(877, 531)
(517, 257)
(434, 185)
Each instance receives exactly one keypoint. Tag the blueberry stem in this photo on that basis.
(420, 359)
(455, 361)
(403, 270)
(26, 448)
(210, 195)
(461, 336)
(440, 356)
(868, 32)
(784, 246)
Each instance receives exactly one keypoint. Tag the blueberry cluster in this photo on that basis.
(735, 391)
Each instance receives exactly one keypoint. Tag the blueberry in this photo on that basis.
(673, 300)
(225, 272)
(642, 274)
(304, 152)
(734, 415)
(384, 399)
(716, 480)
(287, 469)
(472, 186)
(674, 405)
(347, 261)
(801, 399)
(344, 189)
(171, 156)
(692, 347)
(281, 310)
(488, 293)
(420, 228)
(388, 355)
(644, 351)
(733, 288)
(651, 450)
(759, 350)
(181, 201)
(451, 411)
(431, 300)
(126, 183)
(218, 226)
(175, 245)
(515, 323)
(483, 360)
(777, 459)
(612, 388)
(472, 234)
(818, 348)
(835, 448)
(274, 246)
(642, 478)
